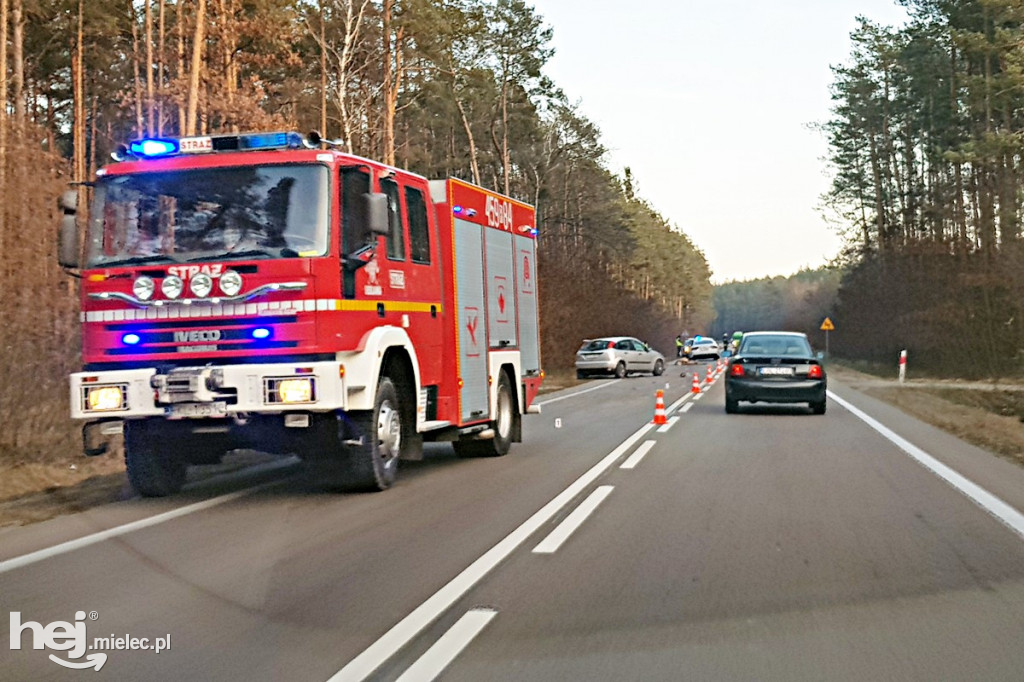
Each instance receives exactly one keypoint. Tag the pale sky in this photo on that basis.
(709, 103)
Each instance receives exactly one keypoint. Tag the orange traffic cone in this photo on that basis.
(659, 408)
(711, 374)
(696, 384)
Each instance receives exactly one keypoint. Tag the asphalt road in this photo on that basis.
(768, 545)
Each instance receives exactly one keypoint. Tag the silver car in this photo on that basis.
(618, 356)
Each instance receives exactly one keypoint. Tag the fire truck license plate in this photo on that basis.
(189, 410)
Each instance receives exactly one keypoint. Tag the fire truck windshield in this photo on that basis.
(274, 211)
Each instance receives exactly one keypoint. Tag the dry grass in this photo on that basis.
(963, 413)
(37, 491)
(988, 416)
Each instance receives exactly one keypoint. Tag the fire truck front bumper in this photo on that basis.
(207, 392)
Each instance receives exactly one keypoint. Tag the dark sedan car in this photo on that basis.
(775, 367)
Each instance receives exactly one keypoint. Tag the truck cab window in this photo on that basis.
(419, 231)
(396, 236)
(354, 233)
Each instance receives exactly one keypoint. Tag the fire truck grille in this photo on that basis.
(208, 335)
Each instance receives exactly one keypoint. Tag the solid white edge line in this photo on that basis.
(671, 422)
(638, 455)
(686, 408)
(1010, 517)
(71, 545)
(573, 395)
(439, 656)
(574, 520)
(363, 665)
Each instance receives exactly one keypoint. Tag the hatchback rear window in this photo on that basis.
(599, 344)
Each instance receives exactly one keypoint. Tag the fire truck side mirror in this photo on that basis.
(377, 213)
(67, 238)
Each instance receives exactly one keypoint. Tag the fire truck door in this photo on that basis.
(501, 300)
(469, 283)
(526, 296)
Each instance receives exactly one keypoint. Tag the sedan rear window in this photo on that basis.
(775, 345)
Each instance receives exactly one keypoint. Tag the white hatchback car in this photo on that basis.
(618, 356)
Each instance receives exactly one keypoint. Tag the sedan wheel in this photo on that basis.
(659, 368)
(620, 370)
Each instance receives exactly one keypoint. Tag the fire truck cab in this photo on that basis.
(270, 291)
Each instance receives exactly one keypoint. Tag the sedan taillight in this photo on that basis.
(815, 372)
(736, 370)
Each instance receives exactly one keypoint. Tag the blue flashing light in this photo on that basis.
(131, 339)
(457, 210)
(153, 148)
(261, 333)
(270, 141)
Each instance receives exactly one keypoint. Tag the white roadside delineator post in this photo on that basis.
(903, 365)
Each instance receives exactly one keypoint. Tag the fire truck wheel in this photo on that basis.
(504, 423)
(373, 464)
(154, 469)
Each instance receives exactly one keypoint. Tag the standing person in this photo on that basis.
(679, 346)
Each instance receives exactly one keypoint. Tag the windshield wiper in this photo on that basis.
(248, 253)
(139, 260)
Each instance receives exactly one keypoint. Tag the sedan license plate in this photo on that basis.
(775, 371)
(192, 410)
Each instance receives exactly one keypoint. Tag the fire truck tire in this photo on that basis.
(506, 415)
(374, 464)
(154, 469)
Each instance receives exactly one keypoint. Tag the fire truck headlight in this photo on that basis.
(290, 390)
(201, 285)
(105, 398)
(144, 288)
(231, 283)
(172, 286)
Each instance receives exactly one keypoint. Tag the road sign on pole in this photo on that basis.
(826, 327)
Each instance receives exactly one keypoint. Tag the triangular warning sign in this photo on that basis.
(827, 325)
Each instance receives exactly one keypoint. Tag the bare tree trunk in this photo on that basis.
(473, 166)
(161, 65)
(78, 125)
(505, 157)
(181, 63)
(197, 56)
(323, 71)
(137, 71)
(90, 170)
(353, 24)
(150, 123)
(4, 19)
(18, 64)
(393, 72)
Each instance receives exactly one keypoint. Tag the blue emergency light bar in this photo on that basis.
(154, 148)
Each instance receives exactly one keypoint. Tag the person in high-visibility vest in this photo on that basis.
(679, 346)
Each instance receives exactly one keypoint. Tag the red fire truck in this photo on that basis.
(270, 291)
